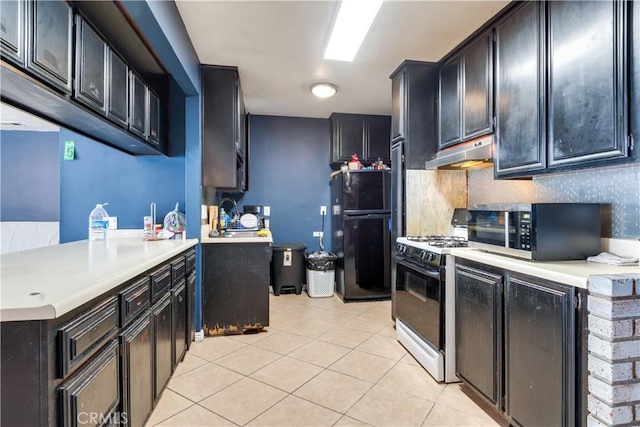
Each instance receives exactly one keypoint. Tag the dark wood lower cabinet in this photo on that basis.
(179, 322)
(540, 352)
(91, 396)
(137, 371)
(522, 344)
(105, 362)
(235, 287)
(163, 343)
(478, 307)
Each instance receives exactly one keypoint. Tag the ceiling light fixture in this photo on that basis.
(324, 90)
(350, 27)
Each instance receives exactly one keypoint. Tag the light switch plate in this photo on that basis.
(113, 222)
(267, 211)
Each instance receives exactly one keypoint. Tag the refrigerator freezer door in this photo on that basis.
(365, 191)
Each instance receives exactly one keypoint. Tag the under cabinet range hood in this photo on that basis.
(474, 154)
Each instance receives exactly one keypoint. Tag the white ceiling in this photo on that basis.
(278, 47)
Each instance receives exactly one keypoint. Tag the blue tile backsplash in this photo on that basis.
(618, 188)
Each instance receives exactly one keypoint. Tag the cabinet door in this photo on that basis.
(137, 370)
(635, 73)
(50, 32)
(586, 82)
(138, 99)
(378, 140)
(12, 30)
(118, 99)
(93, 390)
(154, 118)
(347, 138)
(477, 66)
(191, 307)
(539, 353)
(162, 343)
(398, 105)
(478, 319)
(450, 111)
(520, 102)
(180, 321)
(91, 63)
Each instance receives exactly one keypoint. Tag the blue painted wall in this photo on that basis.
(289, 171)
(30, 176)
(128, 183)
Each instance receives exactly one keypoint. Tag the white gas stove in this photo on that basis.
(423, 302)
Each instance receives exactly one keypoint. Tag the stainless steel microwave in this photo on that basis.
(538, 231)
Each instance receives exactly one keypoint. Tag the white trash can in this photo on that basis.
(321, 274)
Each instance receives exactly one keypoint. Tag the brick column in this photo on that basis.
(614, 350)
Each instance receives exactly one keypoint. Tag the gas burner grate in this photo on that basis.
(441, 241)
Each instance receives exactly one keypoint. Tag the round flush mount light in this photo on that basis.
(324, 90)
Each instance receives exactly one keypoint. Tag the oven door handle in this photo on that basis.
(417, 267)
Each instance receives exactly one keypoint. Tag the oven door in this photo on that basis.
(419, 300)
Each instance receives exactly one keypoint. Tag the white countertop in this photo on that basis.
(574, 273)
(46, 283)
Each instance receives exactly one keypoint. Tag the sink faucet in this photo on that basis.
(236, 214)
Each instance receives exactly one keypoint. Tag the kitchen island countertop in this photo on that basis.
(46, 283)
(574, 273)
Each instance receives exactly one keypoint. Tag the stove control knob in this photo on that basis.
(424, 256)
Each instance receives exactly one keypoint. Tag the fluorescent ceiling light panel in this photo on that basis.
(350, 28)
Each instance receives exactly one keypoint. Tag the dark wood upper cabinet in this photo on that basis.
(520, 139)
(118, 98)
(139, 105)
(153, 132)
(368, 136)
(587, 75)
(635, 74)
(224, 135)
(91, 67)
(398, 102)
(450, 104)
(466, 93)
(477, 93)
(12, 30)
(347, 137)
(50, 28)
(414, 93)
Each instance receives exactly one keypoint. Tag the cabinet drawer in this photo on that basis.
(82, 336)
(134, 300)
(191, 261)
(93, 391)
(178, 270)
(160, 282)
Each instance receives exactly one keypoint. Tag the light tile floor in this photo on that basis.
(321, 363)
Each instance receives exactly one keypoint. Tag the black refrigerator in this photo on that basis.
(361, 234)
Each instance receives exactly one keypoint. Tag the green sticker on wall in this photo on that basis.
(69, 150)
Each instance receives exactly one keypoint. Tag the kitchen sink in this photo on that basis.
(240, 233)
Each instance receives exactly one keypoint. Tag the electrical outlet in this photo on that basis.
(323, 210)
(267, 211)
(317, 234)
(113, 222)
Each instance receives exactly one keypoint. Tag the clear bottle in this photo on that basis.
(224, 219)
(98, 223)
